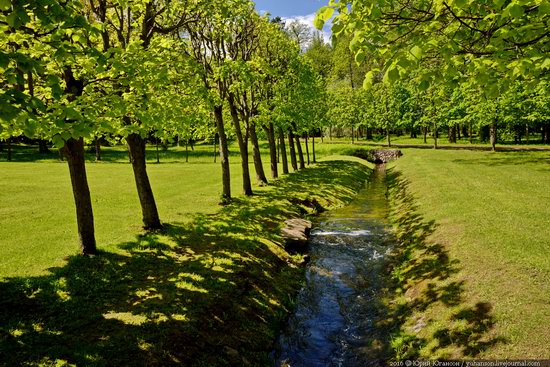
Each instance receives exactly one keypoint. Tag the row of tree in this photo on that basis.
(76, 71)
(433, 65)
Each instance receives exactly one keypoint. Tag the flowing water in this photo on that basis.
(335, 321)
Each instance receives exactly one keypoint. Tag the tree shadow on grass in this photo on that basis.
(424, 274)
(210, 293)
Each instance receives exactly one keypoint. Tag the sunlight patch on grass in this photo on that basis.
(126, 317)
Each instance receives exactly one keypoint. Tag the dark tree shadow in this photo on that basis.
(209, 293)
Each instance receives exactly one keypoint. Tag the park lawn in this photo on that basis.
(474, 269)
(211, 289)
(37, 210)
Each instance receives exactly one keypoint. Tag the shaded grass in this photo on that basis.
(474, 271)
(207, 291)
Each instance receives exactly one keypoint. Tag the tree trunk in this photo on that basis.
(330, 132)
(493, 136)
(425, 133)
(546, 134)
(300, 152)
(435, 135)
(257, 155)
(307, 150)
(97, 149)
(526, 134)
(452, 134)
(157, 149)
(369, 133)
(388, 137)
(224, 154)
(74, 151)
(243, 149)
(43, 147)
(352, 135)
(270, 132)
(459, 132)
(313, 148)
(470, 133)
(1, 146)
(292, 148)
(187, 152)
(136, 147)
(10, 151)
(282, 147)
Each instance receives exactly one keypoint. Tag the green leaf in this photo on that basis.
(369, 80)
(360, 56)
(5, 4)
(516, 10)
(323, 16)
(417, 52)
(460, 3)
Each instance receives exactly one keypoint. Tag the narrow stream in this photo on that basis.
(336, 311)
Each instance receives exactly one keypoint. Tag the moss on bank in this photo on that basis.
(209, 293)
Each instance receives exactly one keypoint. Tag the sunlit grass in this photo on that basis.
(217, 279)
(479, 285)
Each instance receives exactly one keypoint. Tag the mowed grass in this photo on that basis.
(475, 267)
(210, 290)
(37, 215)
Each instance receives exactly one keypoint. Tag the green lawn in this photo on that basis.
(472, 275)
(475, 271)
(37, 212)
(211, 289)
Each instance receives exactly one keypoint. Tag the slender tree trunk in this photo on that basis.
(97, 149)
(526, 134)
(493, 136)
(546, 134)
(307, 150)
(150, 216)
(435, 135)
(278, 150)
(43, 146)
(292, 148)
(10, 150)
(300, 152)
(470, 132)
(313, 148)
(425, 133)
(157, 149)
(270, 132)
(282, 147)
(224, 154)
(2, 146)
(458, 132)
(74, 151)
(187, 152)
(388, 137)
(352, 135)
(243, 149)
(257, 155)
(330, 132)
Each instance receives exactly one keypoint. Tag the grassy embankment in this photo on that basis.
(474, 270)
(209, 290)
